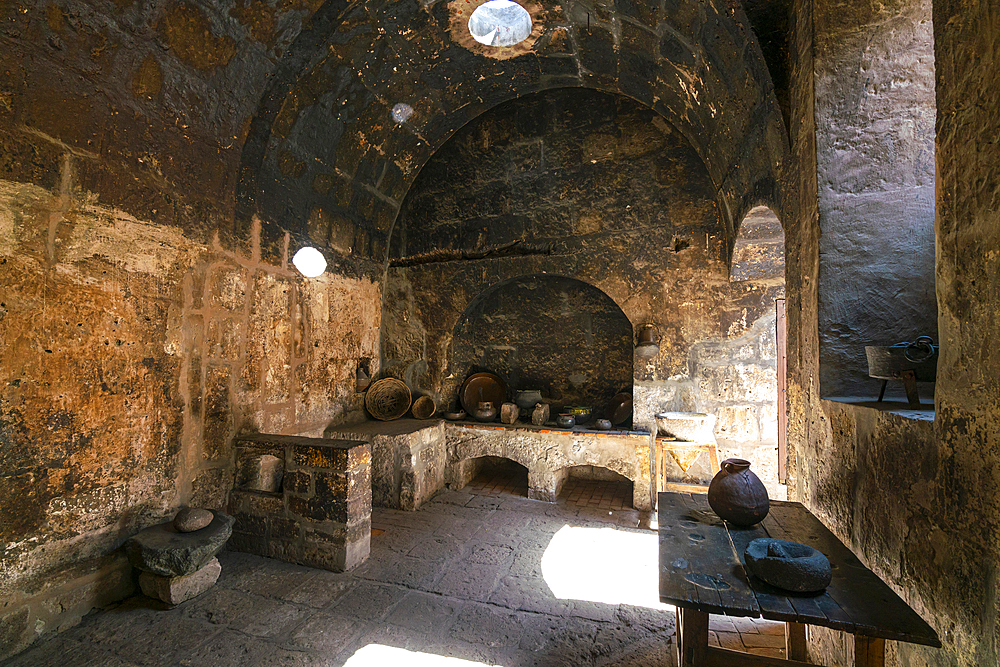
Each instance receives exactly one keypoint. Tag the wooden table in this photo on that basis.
(702, 572)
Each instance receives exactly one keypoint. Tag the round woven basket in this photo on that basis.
(424, 408)
(388, 399)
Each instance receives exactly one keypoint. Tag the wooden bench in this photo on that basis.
(702, 572)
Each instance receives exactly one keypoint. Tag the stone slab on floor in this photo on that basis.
(174, 590)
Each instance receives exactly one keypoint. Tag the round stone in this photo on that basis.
(191, 519)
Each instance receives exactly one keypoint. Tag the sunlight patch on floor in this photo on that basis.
(377, 655)
(603, 565)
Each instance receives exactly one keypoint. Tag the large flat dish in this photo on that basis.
(482, 387)
(621, 409)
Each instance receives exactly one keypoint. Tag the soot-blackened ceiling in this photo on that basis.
(327, 161)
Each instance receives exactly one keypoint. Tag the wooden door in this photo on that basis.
(781, 339)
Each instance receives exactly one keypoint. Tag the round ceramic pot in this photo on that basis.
(737, 495)
(603, 424)
(485, 411)
(526, 399)
(566, 420)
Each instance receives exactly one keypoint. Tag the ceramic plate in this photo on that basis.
(482, 387)
(621, 409)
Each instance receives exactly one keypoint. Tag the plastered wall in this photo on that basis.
(131, 356)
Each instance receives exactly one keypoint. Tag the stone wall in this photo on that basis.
(139, 331)
(566, 175)
(875, 166)
(560, 336)
(917, 500)
(736, 380)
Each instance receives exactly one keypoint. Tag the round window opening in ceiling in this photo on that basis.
(500, 23)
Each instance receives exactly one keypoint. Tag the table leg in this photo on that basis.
(869, 651)
(910, 385)
(795, 641)
(692, 637)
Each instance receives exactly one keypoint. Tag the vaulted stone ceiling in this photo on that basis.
(324, 147)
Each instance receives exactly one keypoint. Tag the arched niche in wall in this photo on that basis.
(559, 335)
(759, 251)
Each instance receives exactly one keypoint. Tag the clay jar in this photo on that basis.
(526, 399)
(737, 495)
(484, 411)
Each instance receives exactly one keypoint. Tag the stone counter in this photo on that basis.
(548, 454)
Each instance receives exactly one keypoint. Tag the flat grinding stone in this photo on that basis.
(166, 552)
(788, 565)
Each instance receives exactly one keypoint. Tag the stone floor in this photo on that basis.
(472, 578)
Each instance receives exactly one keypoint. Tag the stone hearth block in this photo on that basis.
(322, 517)
(408, 459)
(174, 590)
(164, 551)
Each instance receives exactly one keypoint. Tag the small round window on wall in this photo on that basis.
(500, 23)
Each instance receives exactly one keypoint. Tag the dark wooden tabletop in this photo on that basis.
(701, 568)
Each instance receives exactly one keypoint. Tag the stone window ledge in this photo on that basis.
(899, 408)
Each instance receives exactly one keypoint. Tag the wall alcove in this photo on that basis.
(560, 335)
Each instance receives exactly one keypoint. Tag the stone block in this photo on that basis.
(297, 481)
(284, 529)
(250, 523)
(250, 543)
(737, 423)
(342, 456)
(359, 483)
(328, 508)
(738, 382)
(174, 590)
(263, 503)
(769, 423)
(331, 484)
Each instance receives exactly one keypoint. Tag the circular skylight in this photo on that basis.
(309, 261)
(500, 23)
